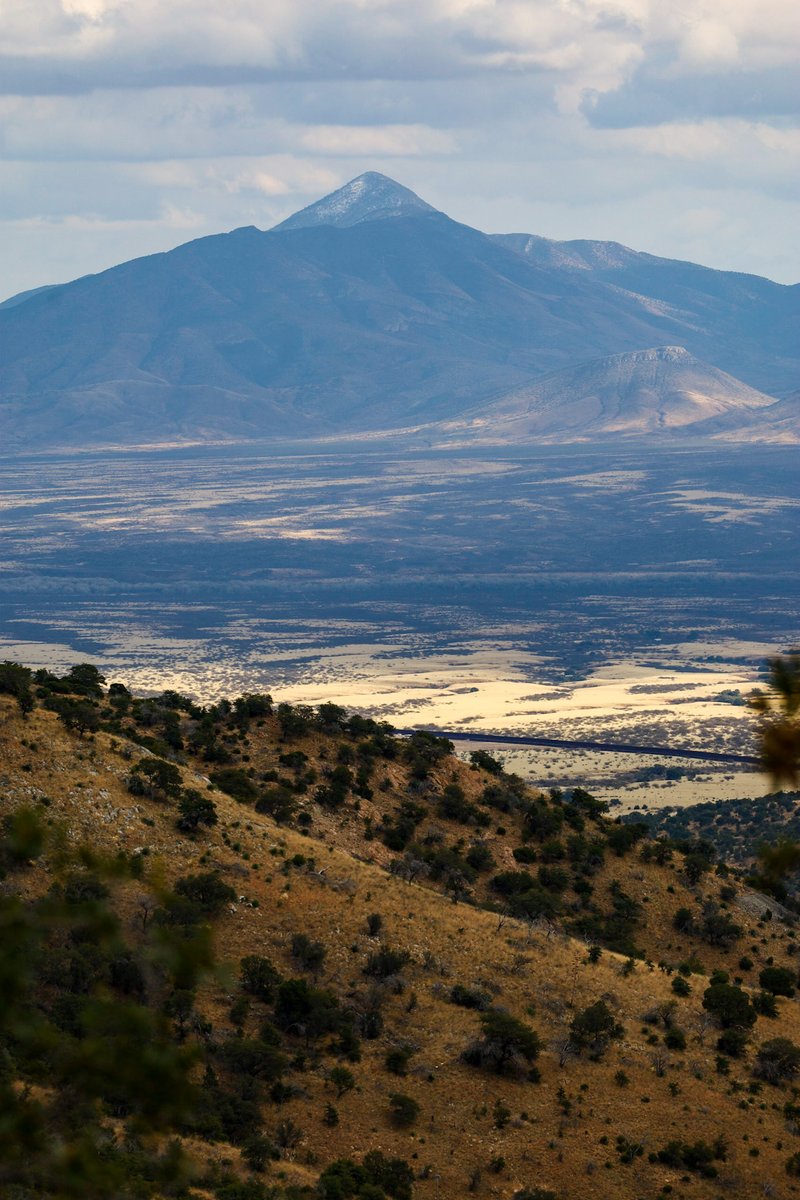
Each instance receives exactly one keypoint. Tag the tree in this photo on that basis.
(294, 720)
(59, 1093)
(778, 1059)
(85, 679)
(207, 891)
(342, 1079)
(484, 761)
(594, 1028)
(729, 1005)
(779, 710)
(195, 809)
(506, 1044)
(259, 977)
(79, 716)
(156, 778)
(278, 802)
(15, 680)
(718, 929)
(778, 980)
(775, 863)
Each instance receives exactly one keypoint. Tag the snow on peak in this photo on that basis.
(369, 197)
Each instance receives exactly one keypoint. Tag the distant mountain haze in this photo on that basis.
(370, 310)
(639, 394)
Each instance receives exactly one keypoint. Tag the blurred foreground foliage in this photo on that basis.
(92, 1076)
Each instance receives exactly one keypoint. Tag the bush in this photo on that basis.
(553, 879)
(15, 681)
(277, 802)
(404, 1110)
(778, 980)
(342, 1079)
(254, 1058)
(235, 782)
(594, 1028)
(195, 810)
(729, 1005)
(683, 920)
(732, 1042)
(622, 838)
(675, 1039)
(470, 997)
(680, 987)
(454, 806)
(259, 977)
(483, 760)
(23, 839)
(397, 1060)
(777, 1060)
(696, 1156)
(156, 778)
(307, 1010)
(718, 930)
(479, 857)
(344, 1178)
(506, 1046)
(257, 1151)
(308, 953)
(207, 892)
(765, 1004)
(385, 962)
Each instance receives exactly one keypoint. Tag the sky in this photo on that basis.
(130, 126)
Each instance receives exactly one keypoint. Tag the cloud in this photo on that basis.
(392, 140)
(568, 117)
(77, 45)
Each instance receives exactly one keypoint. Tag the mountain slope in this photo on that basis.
(736, 306)
(781, 423)
(310, 330)
(347, 918)
(659, 391)
(369, 310)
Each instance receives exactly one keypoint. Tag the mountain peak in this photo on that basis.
(368, 197)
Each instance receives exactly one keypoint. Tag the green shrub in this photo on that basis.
(195, 810)
(404, 1110)
(506, 1046)
(778, 980)
(259, 977)
(594, 1028)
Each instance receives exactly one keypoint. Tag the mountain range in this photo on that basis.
(371, 311)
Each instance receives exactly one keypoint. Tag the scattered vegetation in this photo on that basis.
(213, 986)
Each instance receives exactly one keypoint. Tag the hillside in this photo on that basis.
(646, 393)
(367, 311)
(738, 301)
(380, 880)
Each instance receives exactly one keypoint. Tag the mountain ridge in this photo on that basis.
(372, 311)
